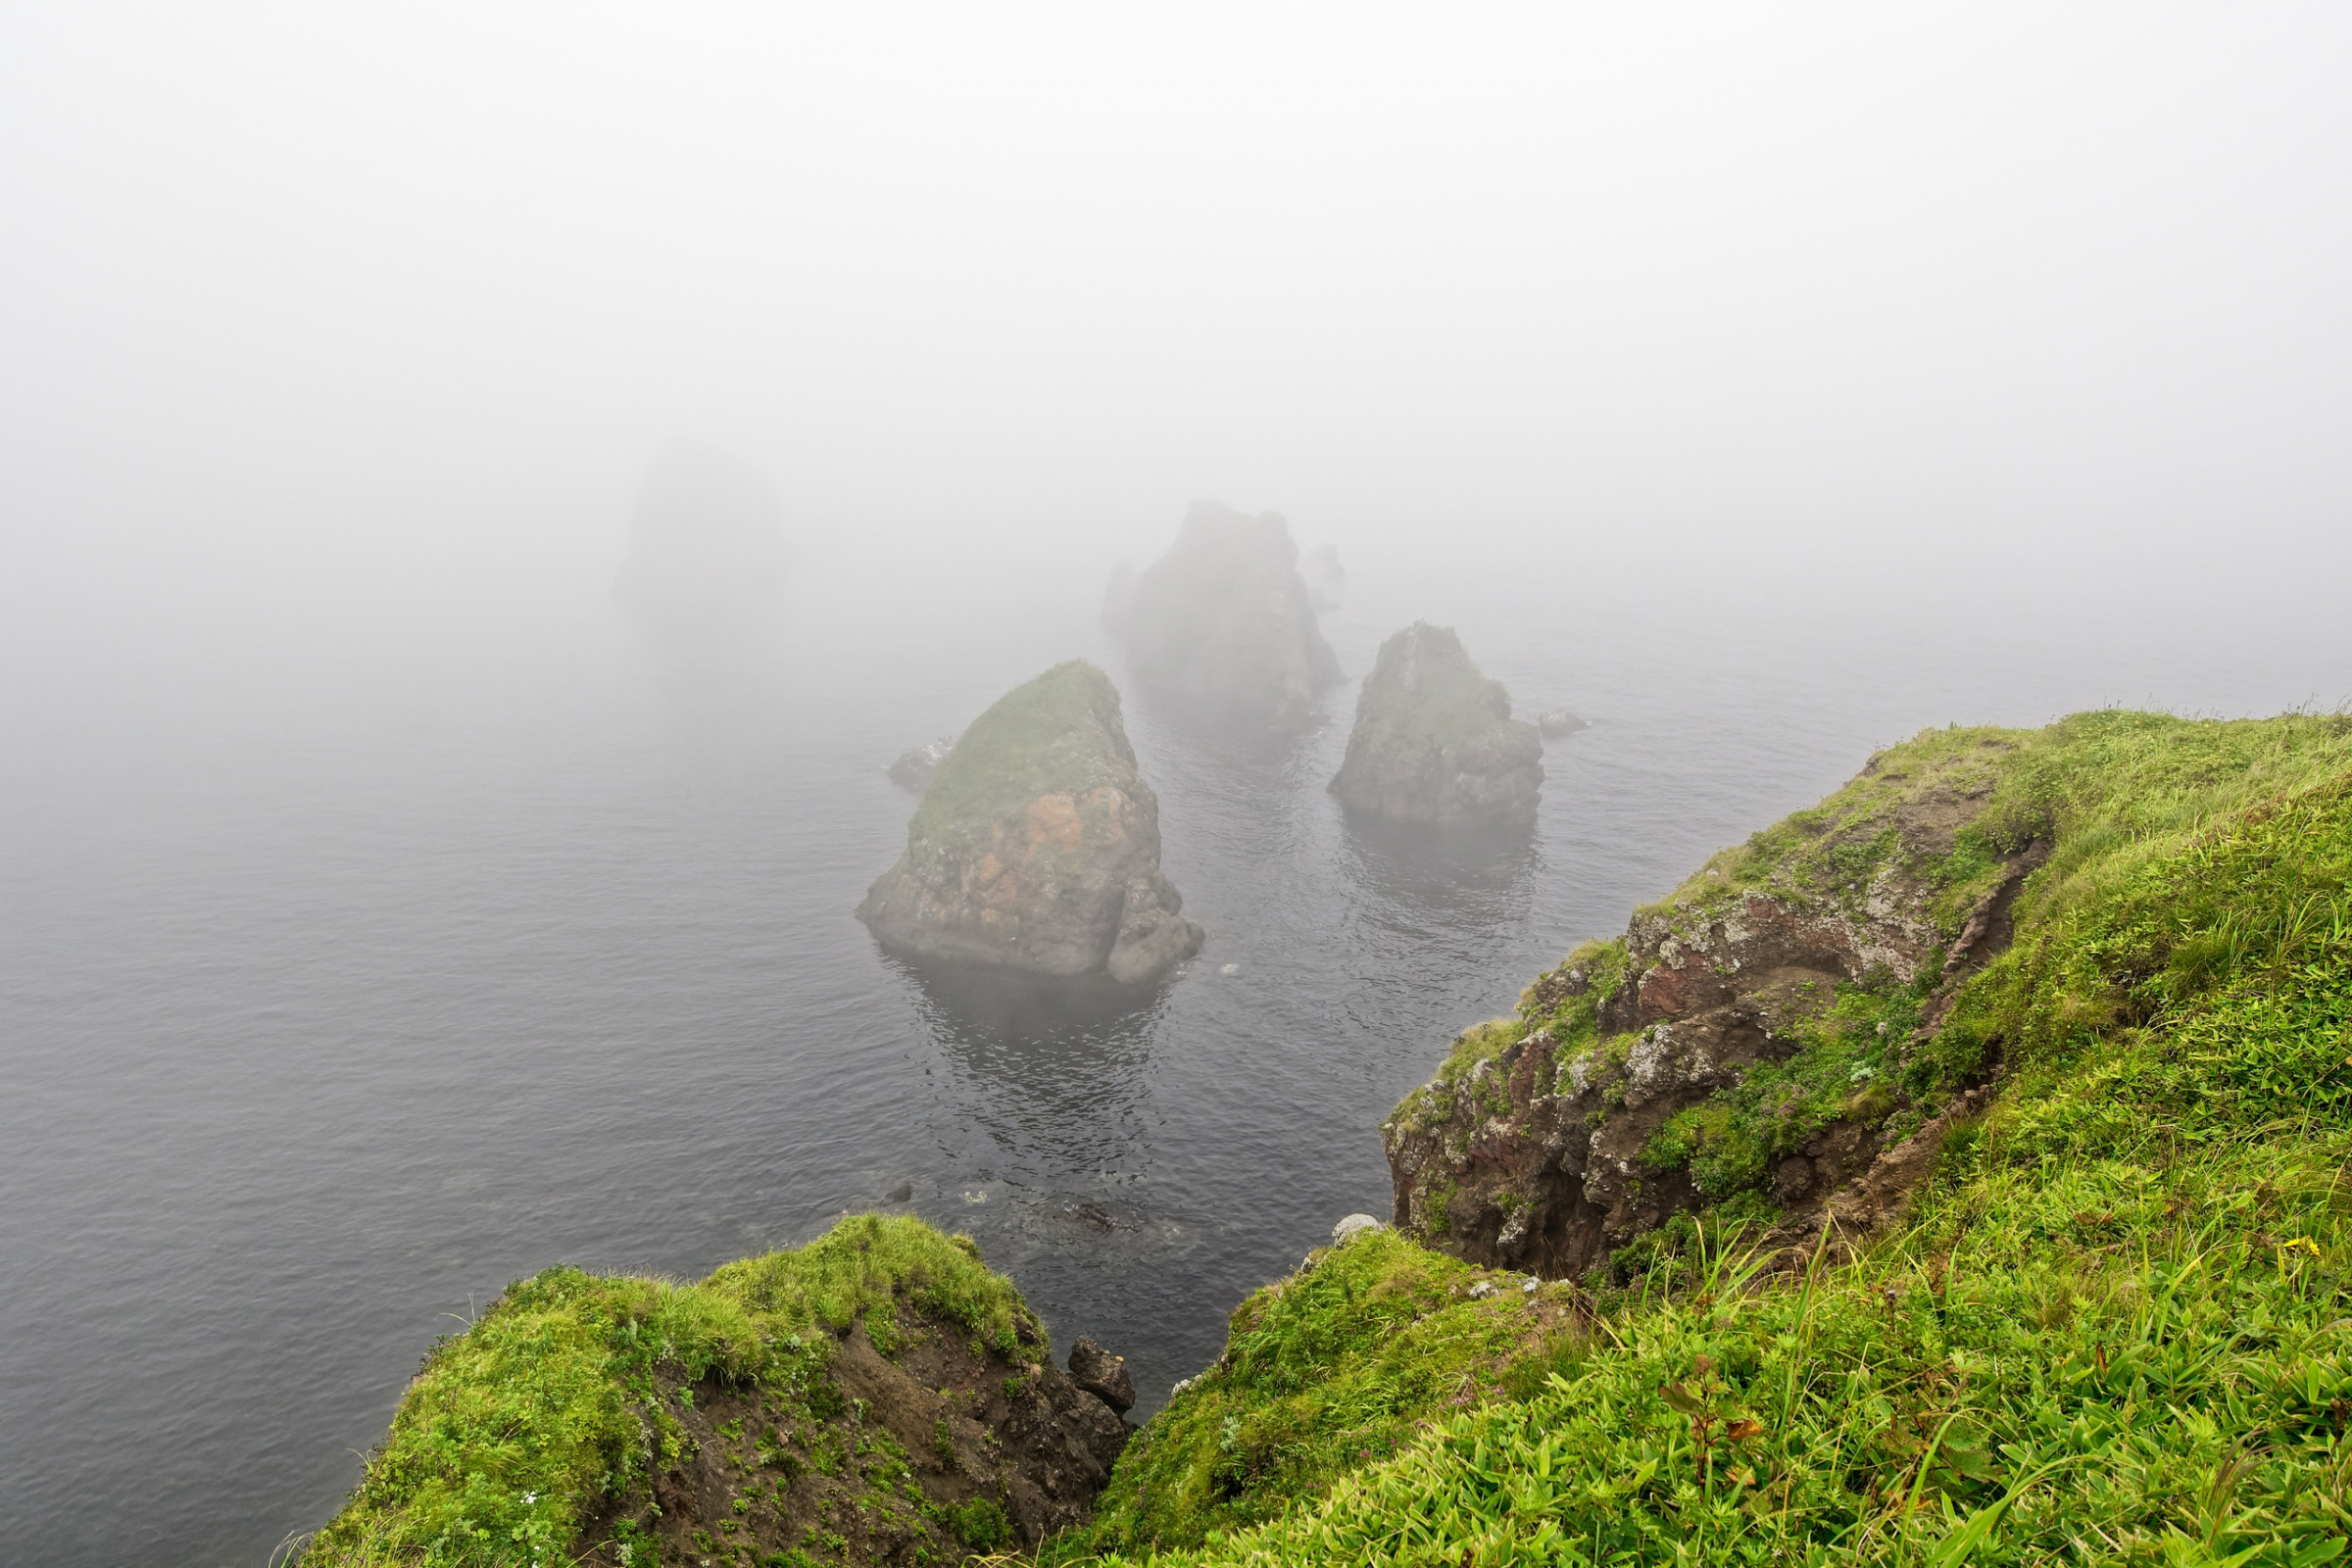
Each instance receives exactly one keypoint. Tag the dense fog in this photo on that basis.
(337, 339)
(485, 492)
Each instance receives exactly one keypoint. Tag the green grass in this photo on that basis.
(516, 1429)
(1060, 733)
(1323, 1372)
(2116, 1326)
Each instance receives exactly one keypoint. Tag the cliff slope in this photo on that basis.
(2096, 1311)
(1435, 742)
(875, 1396)
(1037, 846)
(1222, 628)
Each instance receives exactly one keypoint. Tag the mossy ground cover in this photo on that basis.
(2117, 1324)
(557, 1399)
(1057, 733)
(1337, 1366)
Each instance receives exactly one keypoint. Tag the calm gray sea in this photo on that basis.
(326, 1018)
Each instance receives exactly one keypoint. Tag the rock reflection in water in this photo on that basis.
(1057, 1066)
(1444, 870)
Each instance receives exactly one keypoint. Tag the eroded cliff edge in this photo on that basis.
(1766, 1037)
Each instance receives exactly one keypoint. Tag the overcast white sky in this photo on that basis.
(299, 301)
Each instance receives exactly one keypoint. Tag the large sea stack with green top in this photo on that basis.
(1036, 847)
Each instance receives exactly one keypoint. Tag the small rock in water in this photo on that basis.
(901, 1192)
(1229, 968)
(1103, 1375)
(1559, 722)
(913, 770)
(1354, 1225)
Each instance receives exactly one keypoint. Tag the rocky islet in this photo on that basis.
(1036, 847)
(1222, 628)
(1435, 743)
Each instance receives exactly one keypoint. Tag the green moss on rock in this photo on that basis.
(592, 1418)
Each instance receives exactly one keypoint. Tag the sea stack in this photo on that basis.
(1223, 629)
(1037, 846)
(1435, 742)
(707, 549)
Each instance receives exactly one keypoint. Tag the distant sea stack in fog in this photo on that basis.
(707, 548)
(1222, 627)
(1435, 741)
(1037, 846)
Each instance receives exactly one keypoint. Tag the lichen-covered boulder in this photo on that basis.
(1222, 628)
(1037, 846)
(1435, 741)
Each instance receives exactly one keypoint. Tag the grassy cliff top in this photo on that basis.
(515, 1429)
(1945, 804)
(2115, 1326)
(1058, 733)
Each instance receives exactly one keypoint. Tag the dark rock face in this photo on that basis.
(706, 551)
(1435, 741)
(1103, 1375)
(1037, 846)
(1222, 628)
(1532, 1158)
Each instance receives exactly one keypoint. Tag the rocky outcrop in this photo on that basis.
(1103, 1375)
(706, 550)
(1623, 1088)
(915, 770)
(1435, 741)
(1324, 575)
(1003, 1453)
(1557, 723)
(1037, 846)
(1223, 629)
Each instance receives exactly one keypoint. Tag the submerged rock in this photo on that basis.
(706, 551)
(1558, 721)
(1435, 741)
(1037, 846)
(1222, 627)
(915, 770)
